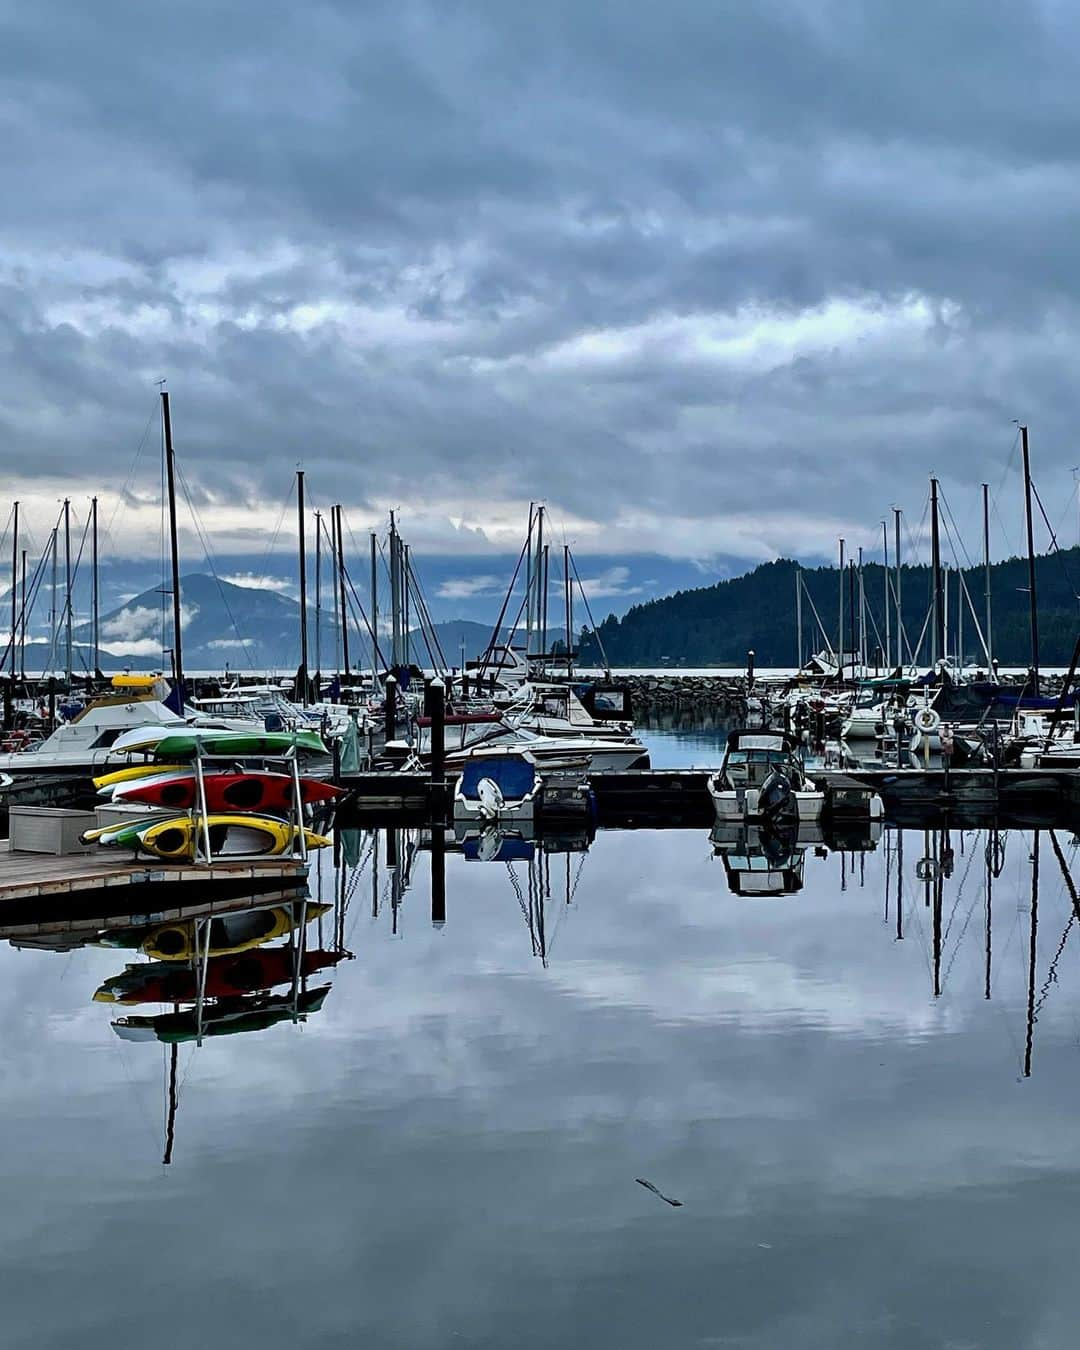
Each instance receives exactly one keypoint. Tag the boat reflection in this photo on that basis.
(769, 859)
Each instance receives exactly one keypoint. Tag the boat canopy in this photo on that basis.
(775, 741)
(514, 775)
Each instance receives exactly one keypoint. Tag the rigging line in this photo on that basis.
(959, 893)
(577, 877)
(1054, 543)
(277, 528)
(425, 614)
(588, 610)
(1011, 542)
(33, 589)
(964, 587)
(1051, 973)
(495, 638)
(356, 607)
(954, 536)
(1069, 509)
(126, 486)
(210, 562)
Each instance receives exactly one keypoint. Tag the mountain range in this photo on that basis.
(245, 628)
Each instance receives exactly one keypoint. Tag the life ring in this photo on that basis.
(926, 720)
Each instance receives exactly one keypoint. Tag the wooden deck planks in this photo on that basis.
(24, 875)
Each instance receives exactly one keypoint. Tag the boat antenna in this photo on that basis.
(170, 475)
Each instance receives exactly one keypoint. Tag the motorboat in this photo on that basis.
(761, 777)
(83, 745)
(477, 734)
(552, 709)
(497, 787)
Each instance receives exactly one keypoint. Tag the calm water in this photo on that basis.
(446, 1153)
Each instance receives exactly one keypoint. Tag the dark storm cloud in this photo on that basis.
(753, 270)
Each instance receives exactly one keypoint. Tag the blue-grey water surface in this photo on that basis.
(446, 1154)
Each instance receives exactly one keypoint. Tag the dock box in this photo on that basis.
(48, 829)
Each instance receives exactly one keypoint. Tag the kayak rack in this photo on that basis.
(298, 849)
(200, 963)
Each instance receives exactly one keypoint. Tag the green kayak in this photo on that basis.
(240, 744)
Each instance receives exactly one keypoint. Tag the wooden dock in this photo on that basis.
(43, 884)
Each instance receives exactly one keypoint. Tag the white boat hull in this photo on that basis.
(732, 805)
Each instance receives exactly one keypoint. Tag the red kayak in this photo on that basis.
(165, 982)
(268, 792)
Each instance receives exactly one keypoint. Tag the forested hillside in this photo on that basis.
(717, 625)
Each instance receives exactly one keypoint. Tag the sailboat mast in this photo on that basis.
(840, 643)
(170, 480)
(95, 589)
(888, 631)
(938, 644)
(318, 594)
(569, 614)
(54, 632)
(67, 590)
(960, 619)
(22, 620)
(395, 595)
(374, 606)
(986, 570)
(544, 606)
(341, 592)
(798, 618)
(1032, 597)
(529, 581)
(14, 583)
(862, 617)
(170, 1122)
(899, 606)
(406, 579)
(538, 576)
(1033, 931)
(301, 535)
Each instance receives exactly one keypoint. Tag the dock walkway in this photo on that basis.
(27, 876)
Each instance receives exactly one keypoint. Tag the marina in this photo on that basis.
(539, 677)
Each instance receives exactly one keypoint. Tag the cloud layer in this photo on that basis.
(711, 278)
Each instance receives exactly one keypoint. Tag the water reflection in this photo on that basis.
(825, 1075)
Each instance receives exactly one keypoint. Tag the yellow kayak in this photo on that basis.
(229, 934)
(128, 775)
(181, 837)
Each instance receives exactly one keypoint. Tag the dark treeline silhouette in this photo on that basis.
(717, 625)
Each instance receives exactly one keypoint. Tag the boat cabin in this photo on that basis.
(751, 756)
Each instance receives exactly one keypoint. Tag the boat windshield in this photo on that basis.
(750, 768)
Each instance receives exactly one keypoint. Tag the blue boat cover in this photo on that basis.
(511, 849)
(514, 775)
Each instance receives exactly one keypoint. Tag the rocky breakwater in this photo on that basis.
(704, 695)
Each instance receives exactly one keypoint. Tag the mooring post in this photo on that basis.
(749, 671)
(390, 709)
(438, 874)
(437, 692)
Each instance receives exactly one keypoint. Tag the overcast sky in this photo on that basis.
(709, 278)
